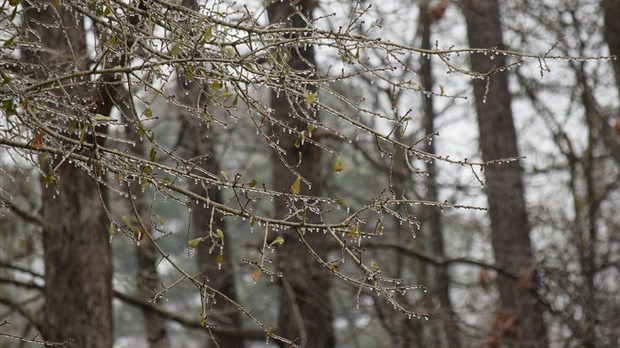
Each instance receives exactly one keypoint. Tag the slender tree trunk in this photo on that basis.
(589, 267)
(305, 313)
(434, 224)
(198, 143)
(78, 268)
(205, 220)
(114, 94)
(148, 280)
(147, 277)
(409, 333)
(520, 321)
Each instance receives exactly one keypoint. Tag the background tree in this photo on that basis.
(578, 206)
(305, 312)
(429, 14)
(75, 243)
(520, 320)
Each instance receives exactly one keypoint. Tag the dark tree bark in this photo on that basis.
(611, 10)
(520, 321)
(434, 224)
(78, 268)
(305, 313)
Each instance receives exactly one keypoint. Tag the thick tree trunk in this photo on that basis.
(305, 314)
(611, 10)
(434, 224)
(77, 262)
(520, 322)
(610, 133)
(78, 268)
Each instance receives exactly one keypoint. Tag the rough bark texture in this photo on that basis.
(433, 222)
(78, 269)
(305, 308)
(520, 321)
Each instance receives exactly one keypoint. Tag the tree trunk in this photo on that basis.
(147, 276)
(305, 313)
(148, 280)
(198, 143)
(78, 267)
(195, 141)
(520, 321)
(611, 9)
(434, 225)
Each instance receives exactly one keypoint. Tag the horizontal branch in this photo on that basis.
(133, 301)
(440, 262)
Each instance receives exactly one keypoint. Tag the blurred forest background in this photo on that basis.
(309, 173)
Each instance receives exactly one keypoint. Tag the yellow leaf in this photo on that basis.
(342, 202)
(381, 228)
(278, 240)
(296, 187)
(220, 234)
(208, 34)
(338, 167)
(310, 98)
(103, 118)
(193, 244)
(176, 49)
(222, 175)
(311, 127)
